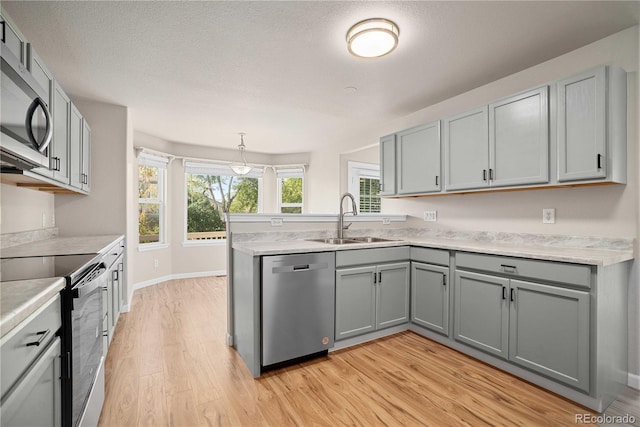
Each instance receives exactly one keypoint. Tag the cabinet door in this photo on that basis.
(549, 331)
(115, 296)
(35, 400)
(582, 126)
(418, 161)
(482, 312)
(355, 301)
(43, 76)
(121, 290)
(430, 296)
(388, 165)
(61, 123)
(466, 142)
(110, 313)
(86, 156)
(75, 147)
(12, 38)
(392, 299)
(519, 139)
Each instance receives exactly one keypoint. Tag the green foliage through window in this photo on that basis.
(369, 195)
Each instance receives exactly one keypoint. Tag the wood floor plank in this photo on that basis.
(169, 365)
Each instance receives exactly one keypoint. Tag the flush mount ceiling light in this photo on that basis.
(372, 38)
(242, 169)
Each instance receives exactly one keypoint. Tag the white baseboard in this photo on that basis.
(161, 279)
(634, 381)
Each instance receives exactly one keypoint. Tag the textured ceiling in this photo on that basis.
(200, 72)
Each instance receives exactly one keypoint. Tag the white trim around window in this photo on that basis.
(289, 172)
(357, 170)
(161, 164)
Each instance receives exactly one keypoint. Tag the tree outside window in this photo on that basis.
(210, 197)
(151, 176)
(290, 190)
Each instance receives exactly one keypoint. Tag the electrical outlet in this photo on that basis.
(431, 216)
(549, 215)
(276, 222)
(386, 221)
(156, 263)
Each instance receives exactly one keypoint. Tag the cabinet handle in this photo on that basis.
(444, 280)
(375, 278)
(508, 268)
(4, 38)
(114, 275)
(380, 277)
(512, 298)
(436, 179)
(504, 292)
(599, 159)
(490, 174)
(484, 174)
(43, 335)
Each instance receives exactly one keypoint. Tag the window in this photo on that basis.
(212, 191)
(290, 189)
(151, 199)
(364, 184)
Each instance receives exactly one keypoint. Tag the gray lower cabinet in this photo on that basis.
(114, 293)
(541, 327)
(430, 296)
(35, 401)
(370, 298)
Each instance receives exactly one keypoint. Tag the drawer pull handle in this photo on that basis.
(508, 268)
(43, 335)
(444, 280)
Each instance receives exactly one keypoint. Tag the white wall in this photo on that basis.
(25, 210)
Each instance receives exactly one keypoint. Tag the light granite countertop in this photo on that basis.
(20, 298)
(62, 246)
(591, 255)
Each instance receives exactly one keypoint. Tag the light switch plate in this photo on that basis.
(431, 216)
(276, 222)
(549, 215)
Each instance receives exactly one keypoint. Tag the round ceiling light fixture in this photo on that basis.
(372, 38)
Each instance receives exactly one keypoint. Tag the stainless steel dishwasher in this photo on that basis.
(298, 305)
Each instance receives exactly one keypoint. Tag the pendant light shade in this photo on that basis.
(241, 169)
(372, 38)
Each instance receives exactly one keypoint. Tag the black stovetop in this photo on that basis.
(73, 267)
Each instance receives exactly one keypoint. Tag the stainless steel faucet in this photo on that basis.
(341, 226)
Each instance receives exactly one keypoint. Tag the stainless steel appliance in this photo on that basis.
(298, 306)
(81, 331)
(25, 120)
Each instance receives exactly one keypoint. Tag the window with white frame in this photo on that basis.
(212, 191)
(364, 184)
(151, 199)
(290, 189)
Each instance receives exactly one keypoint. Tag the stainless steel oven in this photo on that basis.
(82, 352)
(25, 120)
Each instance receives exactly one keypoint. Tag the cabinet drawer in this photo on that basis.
(430, 256)
(112, 254)
(15, 352)
(371, 256)
(573, 274)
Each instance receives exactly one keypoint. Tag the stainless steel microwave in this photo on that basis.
(25, 119)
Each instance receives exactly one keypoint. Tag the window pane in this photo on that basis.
(291, 190)
(149, 223)
(369, 195)
(296, 209)
(147, 182)
(209, 197)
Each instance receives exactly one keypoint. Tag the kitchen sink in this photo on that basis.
(370, 239)
(335, 241)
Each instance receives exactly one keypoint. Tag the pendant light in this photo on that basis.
(241, 169)
(372, 38)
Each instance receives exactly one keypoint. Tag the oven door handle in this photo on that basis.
(92, 285)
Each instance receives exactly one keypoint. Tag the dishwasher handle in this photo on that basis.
(299, 268)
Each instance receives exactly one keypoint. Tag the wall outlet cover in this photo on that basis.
(276, 222)
(386, 221)
(549, 215)
(431, 216)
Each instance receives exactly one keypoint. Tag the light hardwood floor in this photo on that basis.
(168, 364)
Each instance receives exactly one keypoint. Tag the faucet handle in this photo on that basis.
(346, 227)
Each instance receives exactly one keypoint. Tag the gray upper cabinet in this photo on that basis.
(45, 78)
(12, 38)
(418, 159)
(388, 165)
(519, 139)
(86, 156)
(61, 127)
(549, 331)
(482, 312)
(430, 296)
(466, 145)
(592, 126)
(75, 147)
